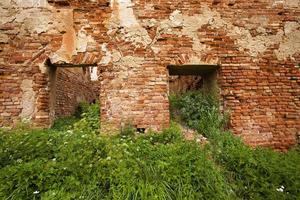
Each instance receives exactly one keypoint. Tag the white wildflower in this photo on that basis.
(36, 192)
(281, 189)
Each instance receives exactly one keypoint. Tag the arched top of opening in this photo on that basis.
(200, 69)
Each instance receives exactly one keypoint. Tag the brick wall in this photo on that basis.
(256, 43)
(72, 87)
(30, 33)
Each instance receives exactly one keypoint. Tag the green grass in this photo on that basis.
(73, 160)
(72, 164)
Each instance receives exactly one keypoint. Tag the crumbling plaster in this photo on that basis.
(32, 31)
(256, 44)
(28, 99)
(37, 16)
(133, 41)
(124, 24)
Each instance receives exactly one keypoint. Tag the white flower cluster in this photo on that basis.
(281, 189)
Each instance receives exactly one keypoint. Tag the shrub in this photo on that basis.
(81, 108)
(64, 123)
(198, 110)
(89, 121)
(252, 173)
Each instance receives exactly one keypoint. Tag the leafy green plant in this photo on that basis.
(64, 123)
(89, 121)
(127, 130)
(198, 110)
(81, 108)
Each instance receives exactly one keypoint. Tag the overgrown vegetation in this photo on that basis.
(73, 161)
(198, 110)
(251, 173)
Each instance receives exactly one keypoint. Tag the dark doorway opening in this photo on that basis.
(70, 84)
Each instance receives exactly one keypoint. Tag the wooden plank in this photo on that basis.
(69, 65)
(201, 69)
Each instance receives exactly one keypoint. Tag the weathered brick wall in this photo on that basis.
(184, 83)
(72, 87)
(256, 43)
(31, 32)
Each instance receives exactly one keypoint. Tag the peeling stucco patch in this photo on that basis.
(289, 46)
(107, 55)
(34, 21)
(83, 40)
(72, 43)
(67, 49)
(176, 19)
(130, 62)
(31, 3)
(189, 25)
(246, 42)
(156, 50)
(123, 18)
(40, 20)
(28, 99)
(290, 27)
(291, 3)
(7, 15)
(256, 45)
(4, 38)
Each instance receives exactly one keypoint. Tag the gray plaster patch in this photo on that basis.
(28, 99)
